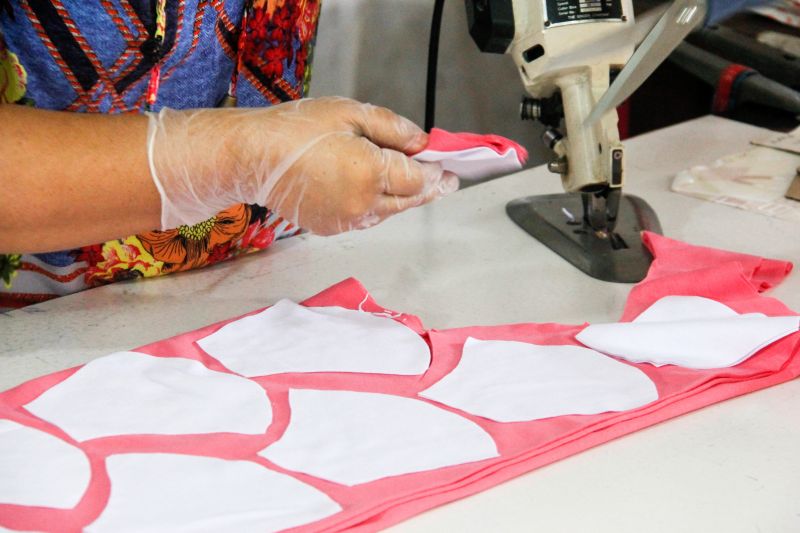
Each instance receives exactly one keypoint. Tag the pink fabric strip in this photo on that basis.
(445, 141)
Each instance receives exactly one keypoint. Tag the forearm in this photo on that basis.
(71, 179)
(327, 165)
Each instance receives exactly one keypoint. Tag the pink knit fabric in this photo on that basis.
(735, 280)
(445, 141)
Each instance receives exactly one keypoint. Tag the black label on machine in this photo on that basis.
(571, 11)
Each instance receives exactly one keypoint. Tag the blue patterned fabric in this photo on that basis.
(114, 76)
(719, 10)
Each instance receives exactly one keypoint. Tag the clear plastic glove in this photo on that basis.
(327, 165)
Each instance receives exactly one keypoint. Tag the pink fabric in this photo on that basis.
(733, 279)
(445, 141)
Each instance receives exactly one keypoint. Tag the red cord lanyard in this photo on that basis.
(155, 72)
(157, 42)
(230, 98)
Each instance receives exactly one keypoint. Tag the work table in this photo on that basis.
(731, 467)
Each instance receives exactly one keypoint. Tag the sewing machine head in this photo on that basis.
(553, 45)
(566, 51)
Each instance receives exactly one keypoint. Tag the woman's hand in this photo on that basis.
(327, 165)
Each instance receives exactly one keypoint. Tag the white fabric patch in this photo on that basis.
(473, 163)
(357, 437)
(289, 337)
(511, 381)
(39, 469)
(132, 393)
(166, 492)
(689, 331)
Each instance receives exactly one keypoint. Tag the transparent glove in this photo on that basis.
(327, 165)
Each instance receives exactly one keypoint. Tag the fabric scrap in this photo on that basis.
(689, 331)
(133, 393)
(39, 469)
(358, 437)
(171, 492)
(510, 381)
(289, 337)
(472, 156)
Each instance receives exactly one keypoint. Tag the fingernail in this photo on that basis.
(418, 142)
(449, 183)
(367, 221)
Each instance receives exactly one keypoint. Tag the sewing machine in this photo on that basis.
(567, 53)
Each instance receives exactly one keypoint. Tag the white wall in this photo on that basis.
(376, 51)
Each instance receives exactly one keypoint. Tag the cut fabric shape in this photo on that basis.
(289, 337)
(689, 331)
(357, 437)
(671, 308)
(39, 469)
(511, 381)
(471, 156)
(168, 492)
(132, 393)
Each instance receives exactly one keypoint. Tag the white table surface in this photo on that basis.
(731, 467)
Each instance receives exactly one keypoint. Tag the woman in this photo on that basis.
(109, 154)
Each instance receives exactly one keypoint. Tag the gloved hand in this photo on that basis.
(327, 165)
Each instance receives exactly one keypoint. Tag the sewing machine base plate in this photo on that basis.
(544, 218)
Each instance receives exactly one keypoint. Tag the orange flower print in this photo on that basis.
(194, 246)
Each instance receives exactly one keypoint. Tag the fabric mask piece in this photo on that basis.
(289, 337)
(511, 381)
(132, 393)
(39, 469)
(689, 331)
(471, 156)
(357, 437)
(167, 492)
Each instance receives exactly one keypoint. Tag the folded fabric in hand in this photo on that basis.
(471, 156)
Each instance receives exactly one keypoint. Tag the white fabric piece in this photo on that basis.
(166, 492)
(289, 337)
(356, 437)
(511, 381)
(132, 393)
(39, 469)
(473, 163)
(689, 331)
(671, 308)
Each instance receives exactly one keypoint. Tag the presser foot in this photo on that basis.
(557, 220)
